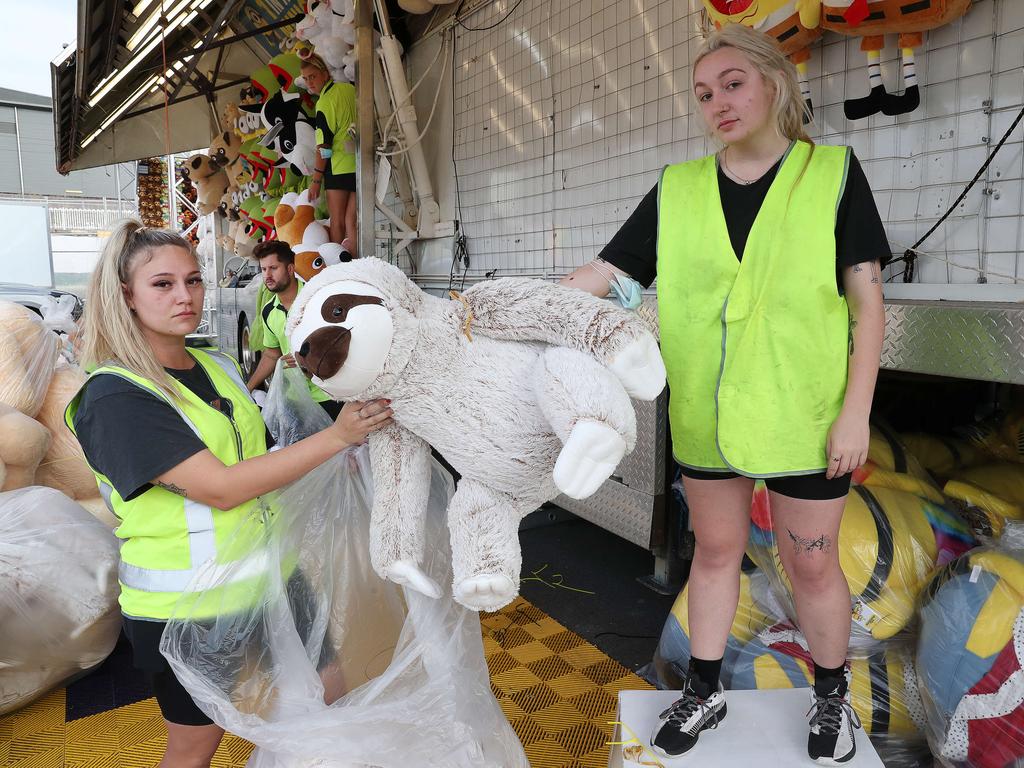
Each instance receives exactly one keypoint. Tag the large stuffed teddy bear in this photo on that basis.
(523, 386)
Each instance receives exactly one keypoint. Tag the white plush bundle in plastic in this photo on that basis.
(318, 624)
(58, 593)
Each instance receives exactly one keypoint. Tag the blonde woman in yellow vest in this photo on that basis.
(179, 451)
(767, 263)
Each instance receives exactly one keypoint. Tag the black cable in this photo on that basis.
(460, 251)
(483, 29)
(626, 637)
(910, 255)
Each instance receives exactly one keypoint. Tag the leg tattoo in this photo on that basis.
(800, 544)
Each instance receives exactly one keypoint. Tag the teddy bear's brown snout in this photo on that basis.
(324, 351)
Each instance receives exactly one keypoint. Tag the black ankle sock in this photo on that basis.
(827, 679)
(704, 674)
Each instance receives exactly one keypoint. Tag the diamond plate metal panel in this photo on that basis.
(624, 511)
(644, 469)
(958, 339)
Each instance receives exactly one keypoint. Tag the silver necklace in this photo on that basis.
(734, 176)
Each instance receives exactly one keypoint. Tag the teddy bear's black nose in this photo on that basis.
(304, 349)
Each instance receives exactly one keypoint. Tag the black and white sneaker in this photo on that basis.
(833, 720)
(682, 723)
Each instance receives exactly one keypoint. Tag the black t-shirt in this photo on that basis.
(860, 236)
(131, 435)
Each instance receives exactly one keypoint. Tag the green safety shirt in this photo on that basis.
(177, 549)
(275, 320)
(337, 106)
(755, 350)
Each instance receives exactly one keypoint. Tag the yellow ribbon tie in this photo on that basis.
(469, 312)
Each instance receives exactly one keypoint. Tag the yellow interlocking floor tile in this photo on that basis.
(558, 692)
(562, 718)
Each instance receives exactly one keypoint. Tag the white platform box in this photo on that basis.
(763, 728)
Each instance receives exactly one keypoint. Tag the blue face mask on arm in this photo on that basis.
(627, 291)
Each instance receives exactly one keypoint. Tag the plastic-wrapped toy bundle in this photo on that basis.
(889, 543)
(756, 610)
(992, 494)
(58, 593)
(883, 686)
(28, 353)
(1002, 436)
(969, 657)
(891, 465)
(939, 454)
(404, 674)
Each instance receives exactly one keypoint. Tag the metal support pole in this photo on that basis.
(172, 196)
(365, 200)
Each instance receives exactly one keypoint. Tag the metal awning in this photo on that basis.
(150, 77)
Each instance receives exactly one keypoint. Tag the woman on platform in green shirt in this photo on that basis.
(335, 159)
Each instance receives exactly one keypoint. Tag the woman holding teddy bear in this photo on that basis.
(179, 450)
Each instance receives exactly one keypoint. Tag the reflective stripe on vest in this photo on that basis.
(756, 351)
(158, 525)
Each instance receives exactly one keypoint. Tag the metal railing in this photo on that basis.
(69, 215)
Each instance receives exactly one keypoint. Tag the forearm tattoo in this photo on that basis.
(800, 544)
(853, 324)
(171, 487)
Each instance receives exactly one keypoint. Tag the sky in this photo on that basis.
(31, 36)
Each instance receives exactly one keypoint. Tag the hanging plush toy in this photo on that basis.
(793, 23)
(871, 20)
(210, 179)
(797, 23)
(523, 386)
(296, 224)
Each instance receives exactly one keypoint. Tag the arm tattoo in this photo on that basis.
(853, 324)
(874, 273)
(857, 268)
(800, 544)
(171, 487)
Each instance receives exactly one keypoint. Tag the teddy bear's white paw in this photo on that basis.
(485, 592)
(588, 458)
(408, 574)
(640, 368)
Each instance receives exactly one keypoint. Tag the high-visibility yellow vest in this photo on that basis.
(337, 103)
(169, 540)
(756, 351)
(275, 318)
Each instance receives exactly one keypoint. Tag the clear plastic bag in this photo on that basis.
(992, 494)
(891, 465)
(28, 354)
(416, 689)
(58, 593)
(289, 411)
(969, 656)
(883, 685)
(756, 610)
(889, 543)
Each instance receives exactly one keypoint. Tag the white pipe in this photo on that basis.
(429, 211)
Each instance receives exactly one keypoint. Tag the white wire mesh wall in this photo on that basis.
(566, 112)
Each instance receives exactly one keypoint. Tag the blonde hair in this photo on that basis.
(112, 332)
(313, 61)
(789, 111)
